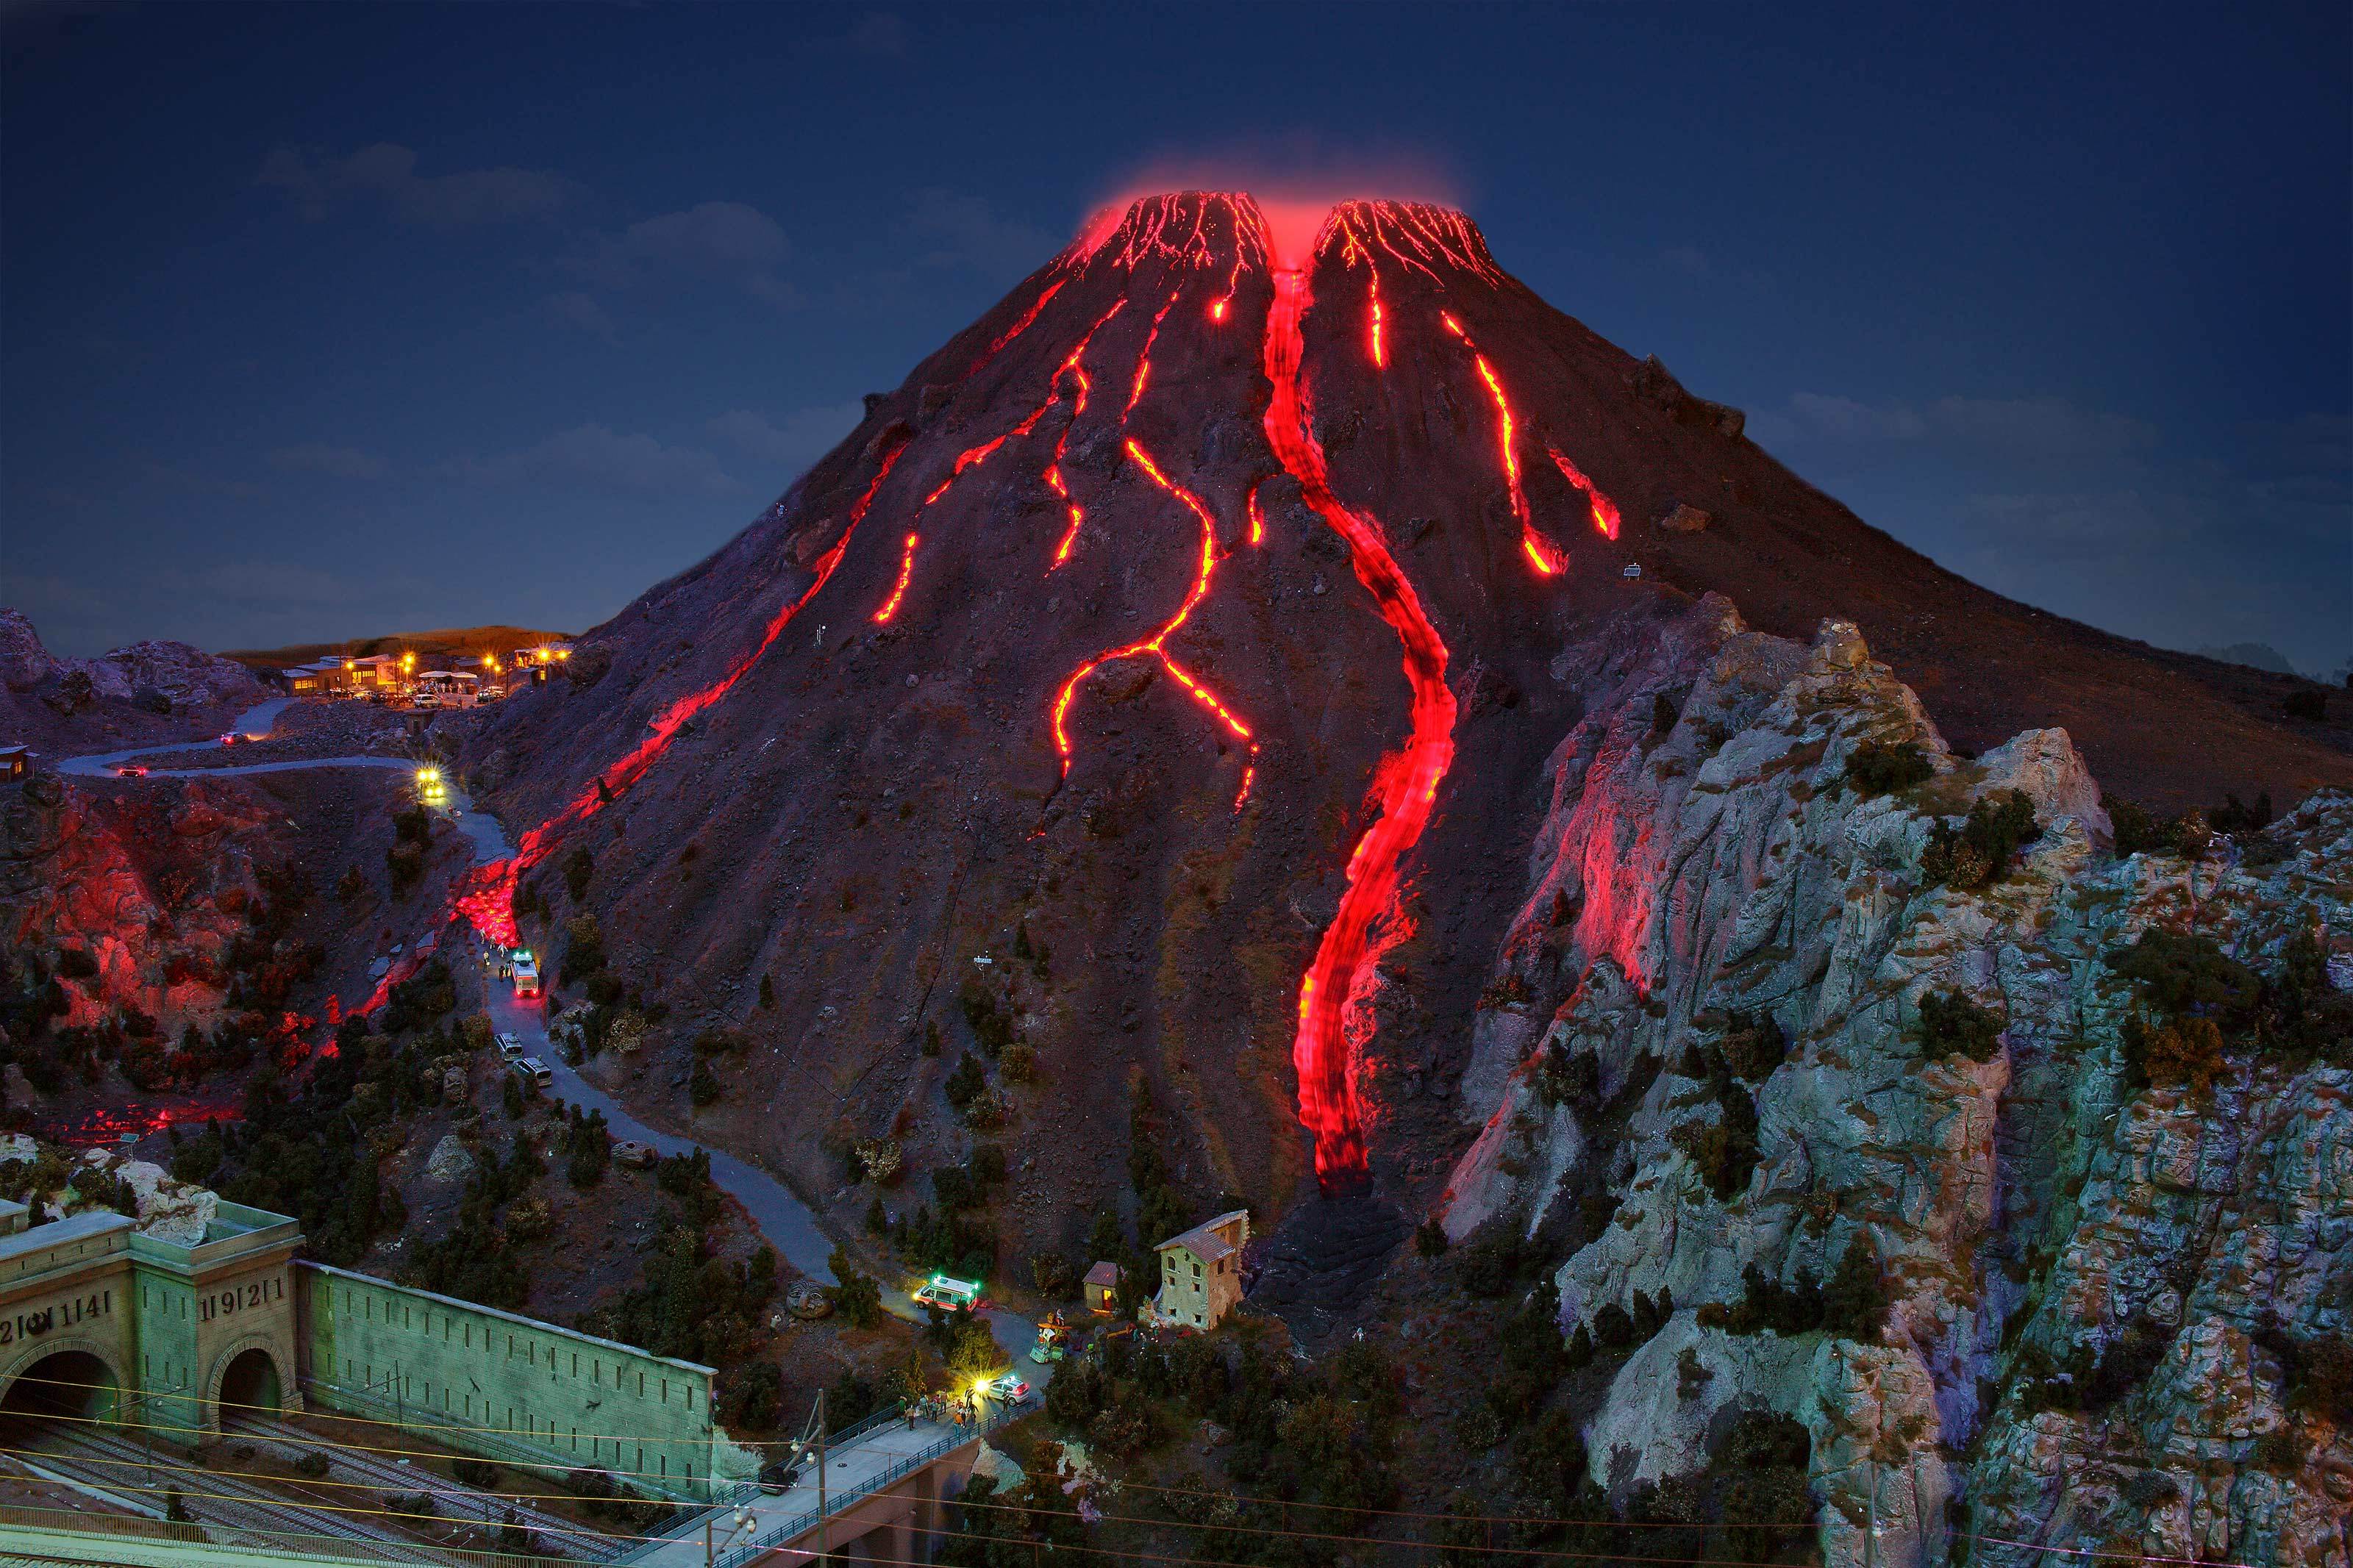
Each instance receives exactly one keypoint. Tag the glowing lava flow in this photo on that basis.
(970, 457)
(1604, 509)
(1144, 360)
(1156, 644)
(485, 895)
(1028, 317)
(1408, 781)
(1539, 549)
(1257, 518)
(1074, 366)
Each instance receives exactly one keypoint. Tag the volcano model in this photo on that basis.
(1151, 698)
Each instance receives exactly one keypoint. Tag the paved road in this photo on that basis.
(785, 1221)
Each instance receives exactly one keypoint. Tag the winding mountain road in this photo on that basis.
(782, 1220)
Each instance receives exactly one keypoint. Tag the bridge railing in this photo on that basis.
(803, 1522)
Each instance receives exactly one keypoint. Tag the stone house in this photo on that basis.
(1202, 1274)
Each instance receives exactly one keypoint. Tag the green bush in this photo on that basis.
(703, 1085)
(2178, 975)
(577, 868)
(1976, 854)
(2140, 831)
(1953, 1025)
(1875, 768)
(1753, 1046)
(1855, 1302)
(857, 1298)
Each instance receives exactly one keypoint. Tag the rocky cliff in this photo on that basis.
(1768, 1072)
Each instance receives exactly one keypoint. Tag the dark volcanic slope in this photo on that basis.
(1301, 514)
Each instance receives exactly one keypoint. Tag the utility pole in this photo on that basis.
(824, 1537)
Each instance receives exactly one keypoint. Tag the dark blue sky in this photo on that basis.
(320, 321)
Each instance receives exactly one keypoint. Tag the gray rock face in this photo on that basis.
(451, 1161)
(157, 676)
(2030, 1209)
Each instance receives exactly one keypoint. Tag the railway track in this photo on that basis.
(107, 1462)
(452, 1499)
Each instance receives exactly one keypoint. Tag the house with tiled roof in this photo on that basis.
(1201, 1272)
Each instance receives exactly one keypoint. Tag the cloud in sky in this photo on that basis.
(787, 448)
(727, 239)
(2024, 428)
(967, 231)
(335, 462)
(594, 457)
(577, 308)
(316, 183)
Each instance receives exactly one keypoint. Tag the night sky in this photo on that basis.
(336, 320)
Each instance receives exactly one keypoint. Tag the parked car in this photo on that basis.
(1011, 1386)
(130, 770)
(510, 1048)
(530, 1069)
(779, 1476)
(526, 975)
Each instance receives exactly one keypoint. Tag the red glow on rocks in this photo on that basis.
(1180, 229)
(1155, 645)
(1420, 235)
(1406, 781)
(1604, 509)
(485, 895)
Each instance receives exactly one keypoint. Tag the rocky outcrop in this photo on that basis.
(1710, 876)
(182, 676)
(152, 887)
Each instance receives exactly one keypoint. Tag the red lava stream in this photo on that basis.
(1407, 780)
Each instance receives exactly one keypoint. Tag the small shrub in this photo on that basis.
(703, 1085)
(857, 1298)
(1976, 854)
(1856, 1301)
(2183, 1053)
(1055, 1276)
(1430, 1239)
(2310, 706)
(2140, 831)
(2232, 817)
(967, 1083)
(1753, 1046)
(2178, 975)
(1875, 768)
(1953, 1025)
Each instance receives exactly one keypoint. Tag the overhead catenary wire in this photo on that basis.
(1244, 1498)
(1238, 1527)
(1120, 1555)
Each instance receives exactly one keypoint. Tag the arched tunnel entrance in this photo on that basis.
(249, 1386)
(74, 1384)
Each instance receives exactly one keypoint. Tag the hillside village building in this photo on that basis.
(1201, 1273)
